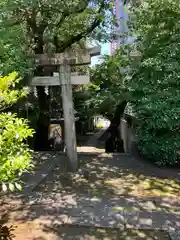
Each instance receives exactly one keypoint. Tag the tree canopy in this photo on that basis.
(43, 26)
(107, 86)
(155, 84)
(56, 25)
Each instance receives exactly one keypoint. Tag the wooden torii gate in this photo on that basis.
(64, 61)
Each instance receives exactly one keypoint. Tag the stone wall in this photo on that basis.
(127, 133)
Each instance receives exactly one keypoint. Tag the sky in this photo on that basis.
(105, 50)
(122, 13)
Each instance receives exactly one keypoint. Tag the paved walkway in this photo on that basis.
(129, 212)
(73, 205)
(91, 145)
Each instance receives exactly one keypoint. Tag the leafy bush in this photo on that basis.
(107, 88)
(155, 86)
(15, 156)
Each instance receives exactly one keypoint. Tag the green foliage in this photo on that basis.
(13, 50)
(99, 126)
(15, 156)
(107, 88)
(80, 99)
(43, 26)
(35, 27)
(155, 85)
(8, 95)
(54, 26)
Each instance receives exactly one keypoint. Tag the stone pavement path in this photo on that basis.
(91, 145)
(121, 213)
(112, 197)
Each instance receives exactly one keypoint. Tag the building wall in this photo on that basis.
(121, 13)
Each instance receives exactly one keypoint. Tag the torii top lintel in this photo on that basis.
(80, 57)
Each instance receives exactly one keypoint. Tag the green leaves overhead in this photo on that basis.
(107, 88)
(13, 52)
(44, 26)
(60, 22)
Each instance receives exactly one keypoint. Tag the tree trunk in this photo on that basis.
(115, 121)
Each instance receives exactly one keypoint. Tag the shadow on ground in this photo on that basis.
(131, 185)
(84, 233)
(107, 175)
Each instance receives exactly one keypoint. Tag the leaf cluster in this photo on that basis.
(15, 155)
(155, 85)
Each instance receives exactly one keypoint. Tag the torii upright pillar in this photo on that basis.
(68, 110)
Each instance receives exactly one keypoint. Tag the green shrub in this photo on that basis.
(15, 156)
(99, 126)
(155, 86)
(159, 147)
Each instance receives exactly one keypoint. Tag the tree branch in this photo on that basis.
(78, 37)
(31, 20)
(42, 26)
(61, 46)
(77, 9)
